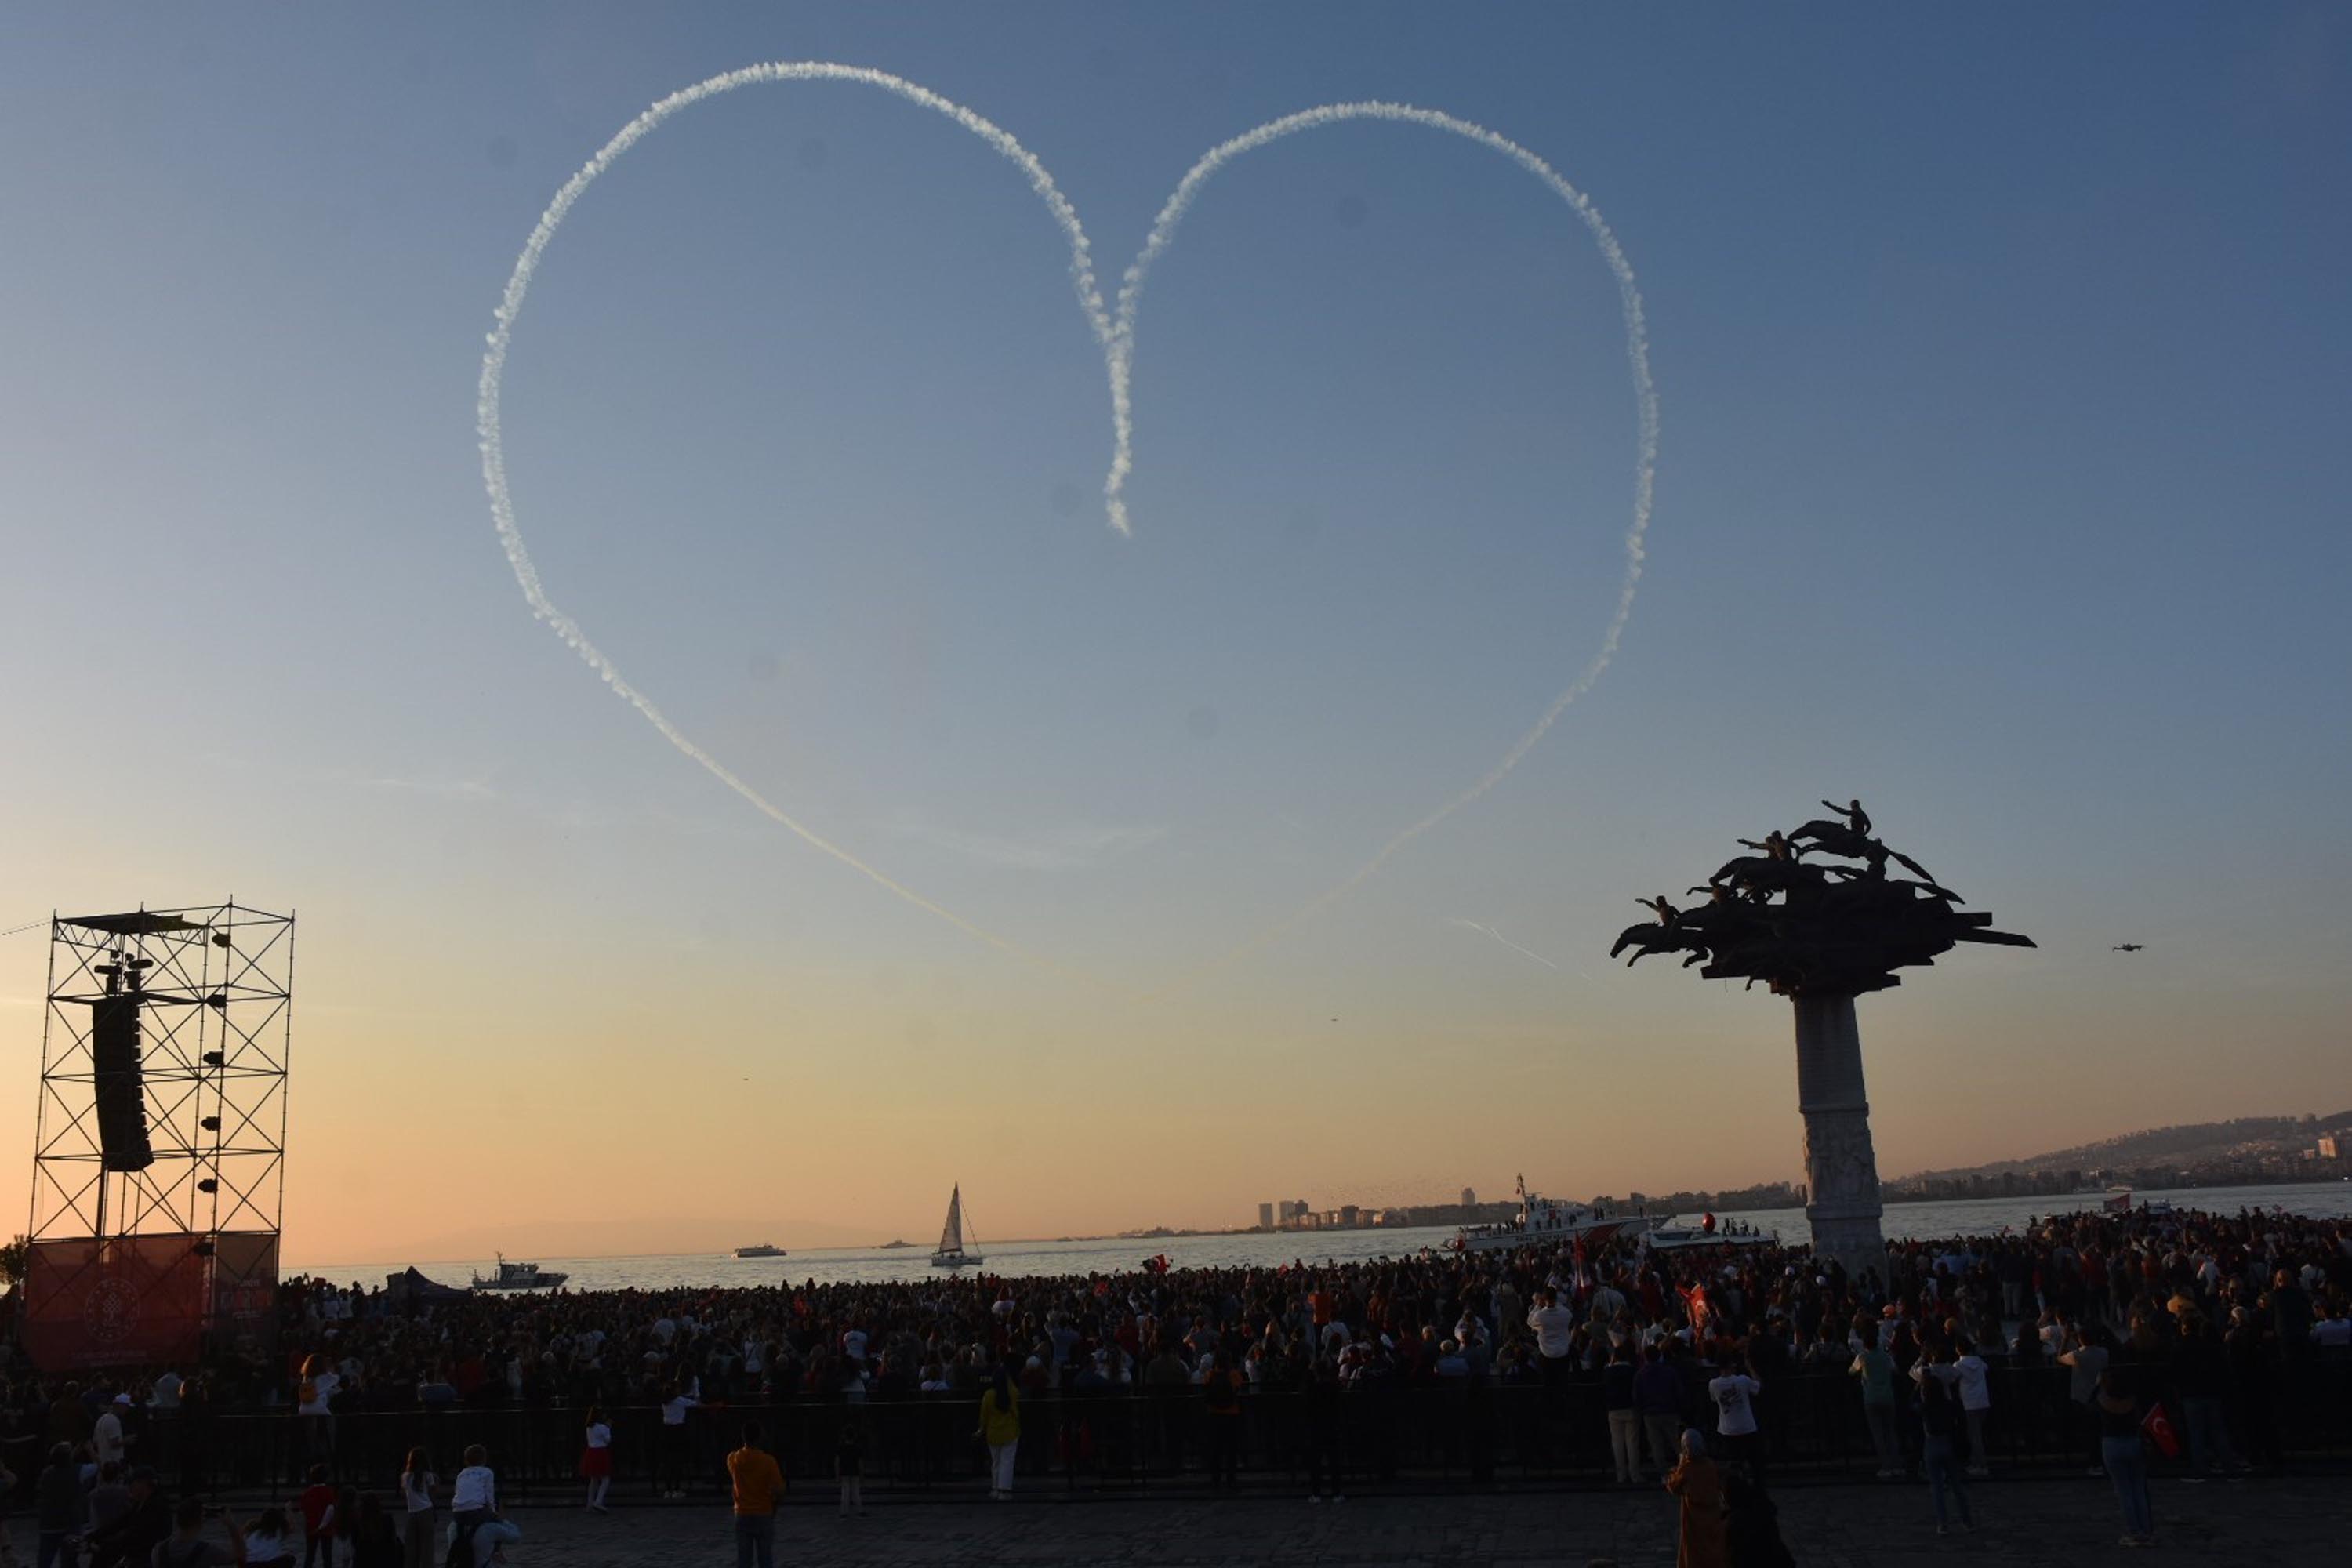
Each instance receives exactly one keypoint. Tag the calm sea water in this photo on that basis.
(1973, 1217)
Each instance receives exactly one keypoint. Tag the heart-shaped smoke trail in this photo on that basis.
(1116, 335)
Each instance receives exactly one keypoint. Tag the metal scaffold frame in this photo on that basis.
(216, 1039)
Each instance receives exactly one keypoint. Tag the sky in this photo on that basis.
(1999, 357)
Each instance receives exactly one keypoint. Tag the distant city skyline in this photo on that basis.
(2000, 358)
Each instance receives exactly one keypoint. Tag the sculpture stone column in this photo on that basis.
(1841, 1166)
(1821, 935)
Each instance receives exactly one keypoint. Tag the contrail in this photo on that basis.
(494, 360)
(1646, 406)
(1116, 335)
(1498, 936)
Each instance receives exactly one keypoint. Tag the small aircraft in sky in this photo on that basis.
(2128, 946)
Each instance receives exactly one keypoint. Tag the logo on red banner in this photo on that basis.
(127, 1301)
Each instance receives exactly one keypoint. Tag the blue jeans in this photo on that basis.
(755, 1534)
(2128, 1469)
(1943, 1472)
(2209, 1436)
(53, 1541)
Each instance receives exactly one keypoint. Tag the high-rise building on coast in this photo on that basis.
(1265, 1217)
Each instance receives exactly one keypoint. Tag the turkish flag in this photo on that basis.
(2156, 1427)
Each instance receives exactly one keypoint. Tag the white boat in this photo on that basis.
(520, 1277)
(1545, 1222)
(1669, 1236)
(951, 1253)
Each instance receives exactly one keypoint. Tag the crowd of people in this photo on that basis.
(1685, 1357)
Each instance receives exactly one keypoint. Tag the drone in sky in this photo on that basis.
(2128, 947)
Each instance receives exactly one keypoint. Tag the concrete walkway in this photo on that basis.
(2067, 1523)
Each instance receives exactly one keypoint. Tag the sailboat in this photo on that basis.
(951, 1253)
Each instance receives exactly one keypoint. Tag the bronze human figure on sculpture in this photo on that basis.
(1810, 929)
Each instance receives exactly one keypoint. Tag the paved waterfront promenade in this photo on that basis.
(2069, 1522)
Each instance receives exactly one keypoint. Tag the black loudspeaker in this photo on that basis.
(121, 1088)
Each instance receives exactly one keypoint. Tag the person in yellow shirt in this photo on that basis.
(759, 1481)
(999, 1428)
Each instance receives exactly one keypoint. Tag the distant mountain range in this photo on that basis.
(2249, 1141)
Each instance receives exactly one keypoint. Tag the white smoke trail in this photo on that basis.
(1498, 936)
(1116, 334)
(494, 359)
(1646, 406)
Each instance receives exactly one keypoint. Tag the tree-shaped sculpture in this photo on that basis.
(1821, 935)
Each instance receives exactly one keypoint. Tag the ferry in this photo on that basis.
(765, 1249)
(520, 1277)
(1546, 1221)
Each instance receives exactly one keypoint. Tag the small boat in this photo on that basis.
(765, 1249)
(951, 1253)
(520, 1277)
(1670, 1236)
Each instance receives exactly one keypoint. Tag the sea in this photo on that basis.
(827, 1265)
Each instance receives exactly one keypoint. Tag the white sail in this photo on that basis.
(951, 1253)
(951, 1234)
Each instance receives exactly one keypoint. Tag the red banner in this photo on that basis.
(245, 1293)
(135, 1301)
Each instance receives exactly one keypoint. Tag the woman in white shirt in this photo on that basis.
(314, 1402)
(674, 1453)
(264, 1538)
(596, 1459)
(416, 1483)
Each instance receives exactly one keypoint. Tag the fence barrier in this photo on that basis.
(1415, 1433)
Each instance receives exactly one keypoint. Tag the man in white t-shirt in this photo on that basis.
(106, 1433)
(1735, 1415)
(1555, 1328)
(1976, 1404)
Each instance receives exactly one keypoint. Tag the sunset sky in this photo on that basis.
(2001, 359)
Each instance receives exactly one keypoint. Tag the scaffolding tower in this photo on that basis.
(207, 994)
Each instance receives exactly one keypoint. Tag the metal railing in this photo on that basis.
(1418, 1434)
